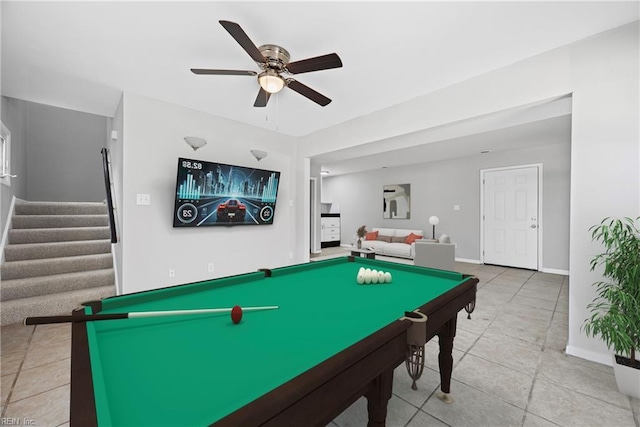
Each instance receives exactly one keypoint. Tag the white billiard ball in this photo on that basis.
(387, 277)
(367, 278)
(381, 276)
(374, 276)
(361, 271)
(360, 278)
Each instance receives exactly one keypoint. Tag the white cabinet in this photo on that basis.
(330, 235)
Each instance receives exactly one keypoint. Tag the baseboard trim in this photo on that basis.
(115, 269)
(469, 261)
(554, 271)
(7, 227)
(604, 359)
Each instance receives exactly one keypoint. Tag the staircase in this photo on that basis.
(57, 256)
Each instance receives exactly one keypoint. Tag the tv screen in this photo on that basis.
(218, 194)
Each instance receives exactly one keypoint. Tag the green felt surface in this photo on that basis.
(194, 370)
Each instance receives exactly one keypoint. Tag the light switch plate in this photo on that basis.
(143, 199)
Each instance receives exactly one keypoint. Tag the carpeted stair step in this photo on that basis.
(35, 286)
(48, 266)
(59, 208)
(55, 249)
(59, 221)
(15, 311)
(42, 235)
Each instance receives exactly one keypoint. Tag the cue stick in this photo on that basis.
(134, 314)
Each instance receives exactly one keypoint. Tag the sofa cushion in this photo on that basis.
(405, 233)
(384, 238)
(372, 235)
(377, 245)
(385, 231)
(412, 238)
(398, 239)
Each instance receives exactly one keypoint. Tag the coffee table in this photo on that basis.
(367, 253)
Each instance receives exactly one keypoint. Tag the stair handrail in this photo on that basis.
(107, 184)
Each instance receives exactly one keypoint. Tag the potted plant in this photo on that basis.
(615, 312)
(361, 232)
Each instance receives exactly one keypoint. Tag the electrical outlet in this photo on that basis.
(172, 273)
(210, 267)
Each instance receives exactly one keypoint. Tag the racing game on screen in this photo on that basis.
(218, 194)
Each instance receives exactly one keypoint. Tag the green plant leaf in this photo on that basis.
(615, 313)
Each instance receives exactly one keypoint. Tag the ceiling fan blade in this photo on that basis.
(262, 98)
(223, 72)
(243, 40)
(306, 91)
(324, 62)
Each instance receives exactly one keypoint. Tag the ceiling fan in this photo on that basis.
(274, 62)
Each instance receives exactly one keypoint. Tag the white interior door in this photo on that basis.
(510, 217)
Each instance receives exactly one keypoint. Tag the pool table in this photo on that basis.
(330, 342)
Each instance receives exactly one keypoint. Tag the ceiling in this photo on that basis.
(83, 55)
(541, 123)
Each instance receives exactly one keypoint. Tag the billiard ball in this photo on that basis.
(367, 277)
(374, 276)
(360, 278)
(381, 278)
(236, 314)
(387, 277)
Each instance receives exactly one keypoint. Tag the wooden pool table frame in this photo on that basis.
(323, 392)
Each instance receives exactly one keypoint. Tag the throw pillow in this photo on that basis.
(398, 239)
(412, 238)
(384, 238)
(444, 239)
(372, 235)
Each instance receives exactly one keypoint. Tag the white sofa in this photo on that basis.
(396, 247)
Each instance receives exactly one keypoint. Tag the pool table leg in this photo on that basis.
(445, 358)
(378, 398)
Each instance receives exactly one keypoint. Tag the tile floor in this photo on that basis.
(509, 368)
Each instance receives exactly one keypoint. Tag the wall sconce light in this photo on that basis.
(195, 142)
(259, 154)
(434, 220)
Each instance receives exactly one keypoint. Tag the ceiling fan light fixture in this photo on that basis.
(270, 81)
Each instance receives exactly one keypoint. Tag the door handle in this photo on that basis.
(534, 226)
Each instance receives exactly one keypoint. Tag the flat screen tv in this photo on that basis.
(218, 194)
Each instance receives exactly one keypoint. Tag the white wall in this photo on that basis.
(14, 118)
(437, 186)
(116, 152)
(153, 133)
(602, 73)
(604, 158)
(63, 154)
